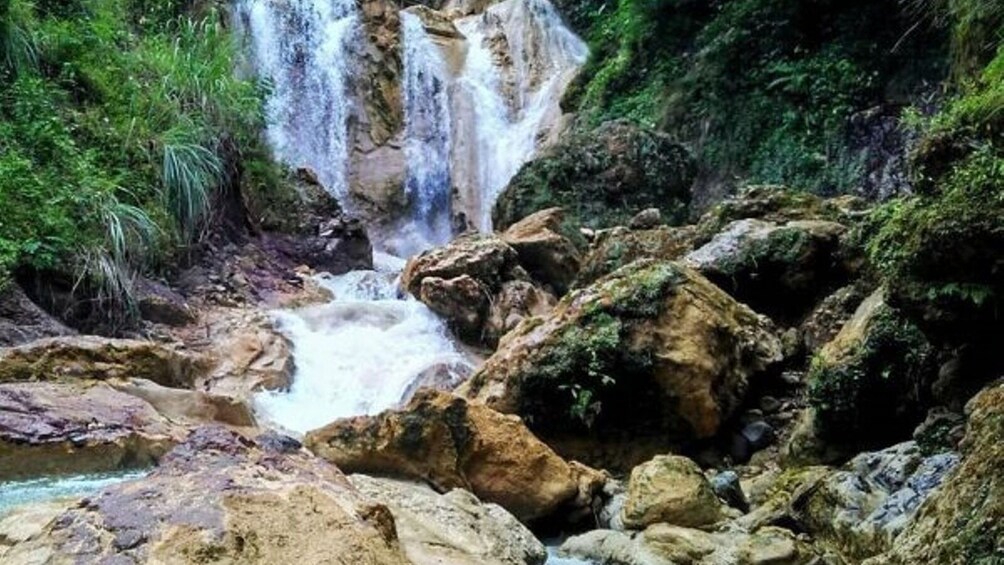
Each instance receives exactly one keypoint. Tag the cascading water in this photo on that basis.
(303, 49)
(427, 132)
(511, 107)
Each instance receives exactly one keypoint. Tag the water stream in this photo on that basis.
(44, 489)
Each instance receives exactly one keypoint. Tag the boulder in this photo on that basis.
(159, 304)
(652, 350)
(250, 357)
(21, 320)
(454, 527)
(670, 489)
(613, 248)
(485, 258)
(870, 384)
(963, 521)
(515, 302)
(829, 316)
(599, 176)
(549, 256)
(337, 246)
(777, 269)
(220, 498)
(646, 219)
(49, 428)
(97, 358)
(665, 544)
(449, 443)
(460, 300)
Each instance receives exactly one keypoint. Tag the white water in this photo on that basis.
(359, 354)
(511, 113)
(304, 50)
(427, 132)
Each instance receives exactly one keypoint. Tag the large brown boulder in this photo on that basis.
(97, 358)
(220, 498)
(544, 252)
(673, 490)
(485, 258)
(653, 350)
(449, 443)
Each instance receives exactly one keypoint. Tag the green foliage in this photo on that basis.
(120, 121)
(762, 89)
(875, 391)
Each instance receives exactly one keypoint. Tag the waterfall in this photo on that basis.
(511, 107)
(303, 50)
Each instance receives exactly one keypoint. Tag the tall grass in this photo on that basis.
(190, 174)
(17, 47)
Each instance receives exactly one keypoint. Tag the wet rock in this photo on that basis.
(653, 349)
(454, 527)
(776, 269)
(728, 490)
(91, 357)
(250, 357)
(616, 247)
(600, 174)
(450, 443)
(963, 521)
(49, 428)
(543, 251)
(462, 301)
(339, 245)
(665, 544)
(670, 489)
(516, 301)
(646, 219)
(21, 320)
(159, 304)
(484, 258)
(220, 498)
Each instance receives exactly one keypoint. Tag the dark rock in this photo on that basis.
(340, 245)
(21, 320)
(646, 219)
(759, 434)
(769, 404)
(159, 304)
(726, 486)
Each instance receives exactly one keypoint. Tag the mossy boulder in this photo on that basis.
(653, 350)
(778, 269)
(614, 248)
(670, 489)
(870, 385)
(602, 178)
(963, 522)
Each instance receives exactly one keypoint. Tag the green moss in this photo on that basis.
(876, 394)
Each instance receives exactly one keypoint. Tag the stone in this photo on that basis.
(544, 252)
(90, 357)
(758, 434)
(159, 304)
(728, 489)
(827, 318)
(462, 301)
(665, 544)
(192, 406)
(600, 174)
(653, 349)
(221, 498)
(485, 258)
(777, 269)
(670, 489)
(251, 357)
(450, 443)
(52, 428)
(516, 301)
(616, 247)
(21, 320)
(454, 527)
(646, 219)
(963, 520)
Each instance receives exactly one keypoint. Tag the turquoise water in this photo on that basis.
(17, 493)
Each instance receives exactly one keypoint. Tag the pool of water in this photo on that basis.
(554, 559)
(43, 489)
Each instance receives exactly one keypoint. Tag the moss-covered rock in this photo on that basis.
(963, 523)
(653, 350)
(602, 178)
(614, 248)
(870, 384)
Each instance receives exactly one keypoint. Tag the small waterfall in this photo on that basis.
(427, 132)
(362, 353)
(303, 50)
(512, 107)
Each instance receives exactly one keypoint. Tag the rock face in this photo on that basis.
(670, 489)
(447, 442)
(664, 544)
(90, 357)
(652, 350)
(777, 269)
(963, 522)
(338, 245)
(250, 359)
(602, 178)
(21, 320)
(160, 304)
(548, 255)
(484, 258)
(221, 498)
(454, 527)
